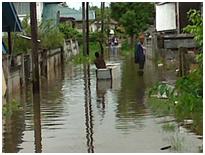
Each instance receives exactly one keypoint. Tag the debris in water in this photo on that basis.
(166, 147)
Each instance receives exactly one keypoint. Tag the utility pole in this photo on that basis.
(102, 25)
(84, 27)
(102, 16)
(9, 43)
(87, 28)
(35, 69)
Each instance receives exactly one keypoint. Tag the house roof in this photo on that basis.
(10, 20)
(51, 12)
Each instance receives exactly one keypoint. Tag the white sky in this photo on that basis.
(78, 5)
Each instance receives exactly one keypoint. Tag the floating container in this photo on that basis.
(111, 72)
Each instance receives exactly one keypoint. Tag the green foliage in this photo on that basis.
(81, 59)
(11, 107)
(196, 26)
(19, 44)
(134, 17)
(26, 26)
(105, 16)
(50, 35)
(188, 103)
(125, 49)
(161, 107)
(68, 31)
(190, 87)
(162, 88)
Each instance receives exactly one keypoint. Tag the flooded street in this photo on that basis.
(75, 113)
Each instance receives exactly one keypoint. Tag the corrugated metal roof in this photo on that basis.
(10, 20)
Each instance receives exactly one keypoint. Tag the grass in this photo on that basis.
(160, 107)
(169, 127)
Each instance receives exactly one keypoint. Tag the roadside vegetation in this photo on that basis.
(185, 101)
(49, 35)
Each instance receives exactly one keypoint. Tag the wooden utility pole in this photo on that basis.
(84, 28)
(102, 26)
(87, 28)
(37, 123)
(102, 17)
(9, 42)
(35, 69)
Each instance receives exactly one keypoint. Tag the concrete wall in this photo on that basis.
(49, 61)
(53, 59)
(70, 48)
(13, 81)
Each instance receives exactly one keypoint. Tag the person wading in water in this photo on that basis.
(140, 54)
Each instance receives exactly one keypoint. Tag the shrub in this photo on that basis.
(68, 31)
(50, 35)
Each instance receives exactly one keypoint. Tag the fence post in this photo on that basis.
(183, 64)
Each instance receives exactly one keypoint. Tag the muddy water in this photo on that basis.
(74, 113)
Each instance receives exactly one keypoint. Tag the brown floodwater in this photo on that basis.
(75, 113)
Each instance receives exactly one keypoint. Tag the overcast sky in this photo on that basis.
(78, 5)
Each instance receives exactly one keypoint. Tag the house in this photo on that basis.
(10, 23)
(171, 18)
(58, 12)
(23, 10)
(166, 36)
(96, 26)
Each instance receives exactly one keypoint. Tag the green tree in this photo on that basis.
(68, 31)
(196, 26)
(50, 35)
(134, 17)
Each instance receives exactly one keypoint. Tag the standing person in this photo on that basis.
(140, 53)
(99, 61)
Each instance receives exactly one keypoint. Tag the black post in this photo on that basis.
(102, 26)
(102, 18)
(9, 42)
(84, 27)
(37, 123)
(35, 67)
(87, 27)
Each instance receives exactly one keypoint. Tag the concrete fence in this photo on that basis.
(18, 72)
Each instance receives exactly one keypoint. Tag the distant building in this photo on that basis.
(62, 13)
(96, 25)
(10, 22)
(171, 18)
(23, 9)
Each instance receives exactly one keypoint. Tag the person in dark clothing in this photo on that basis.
(99, 61)
(140, 52)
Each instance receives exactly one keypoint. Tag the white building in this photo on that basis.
(23, 9)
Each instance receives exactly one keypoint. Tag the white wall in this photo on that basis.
(39, 10)
(165, 17)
